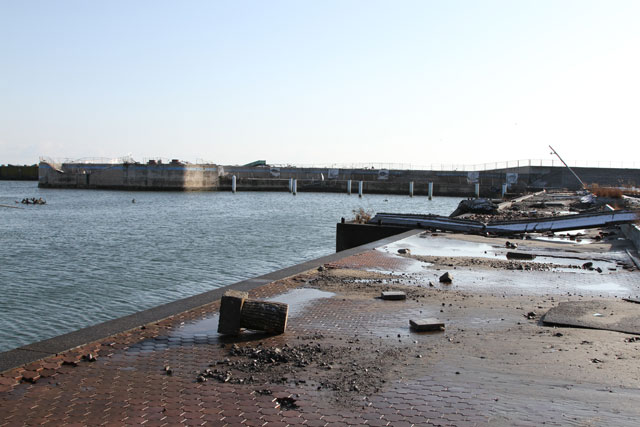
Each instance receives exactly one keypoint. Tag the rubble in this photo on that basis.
(446, 278)
(343, 370)
(475, 206)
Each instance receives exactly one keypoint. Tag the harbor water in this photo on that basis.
(88, 256)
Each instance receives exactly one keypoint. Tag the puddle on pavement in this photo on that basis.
(409, 266)
(441, 247)
(565, 237)
(510, 282)
(605, 266)
(450, 248)
(604, 287)
(300, 298)
(202, 327)
(559, 239)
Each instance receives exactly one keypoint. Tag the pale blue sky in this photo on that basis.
(320, 81)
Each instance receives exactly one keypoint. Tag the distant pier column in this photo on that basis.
(504, 190)
(349, 187)
(295, 187)
(411, 189)
(233, 184)
(359, 188)
(477, 190)
(430, 190)
(290, 185)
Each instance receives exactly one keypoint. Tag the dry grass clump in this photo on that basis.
(608, 192)
(362, 216)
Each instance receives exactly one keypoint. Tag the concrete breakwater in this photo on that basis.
(129, 176)
(210, 177)
(19, 172)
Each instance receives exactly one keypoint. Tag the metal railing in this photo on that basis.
(88, 160)
(509, 164)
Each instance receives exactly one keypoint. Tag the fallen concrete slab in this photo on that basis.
(424, 325)
(393, 295)
(609, 315)
(520, 255)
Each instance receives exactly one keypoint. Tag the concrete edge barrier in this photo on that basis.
(39, 350)
(632, 232)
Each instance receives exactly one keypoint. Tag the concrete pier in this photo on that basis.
(19, 172)
(168, 365)
(175, 176)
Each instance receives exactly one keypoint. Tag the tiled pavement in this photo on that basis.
(127, 383)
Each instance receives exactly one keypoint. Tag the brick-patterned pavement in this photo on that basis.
(429, 383)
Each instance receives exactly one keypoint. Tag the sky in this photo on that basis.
(320, 82)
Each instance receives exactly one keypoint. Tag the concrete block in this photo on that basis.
(393, 295)
(428, 324)
(520, 255)
(620, 316)
(236, 294)
(264, 316)
(231, 312)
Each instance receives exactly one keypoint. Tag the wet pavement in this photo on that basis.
(492, 365)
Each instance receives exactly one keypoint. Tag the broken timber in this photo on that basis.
(538, 225)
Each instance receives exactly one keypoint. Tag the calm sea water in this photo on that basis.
(90, 256)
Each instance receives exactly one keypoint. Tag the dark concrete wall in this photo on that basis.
(351, 235)
(19, 173)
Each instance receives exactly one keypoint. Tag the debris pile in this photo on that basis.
(475, 206)
(340, 369)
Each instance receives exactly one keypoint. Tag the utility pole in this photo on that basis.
(570, 170)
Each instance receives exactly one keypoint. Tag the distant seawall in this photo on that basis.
(455, 183)
(210, 177)
(19, 173)
(129, 176)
